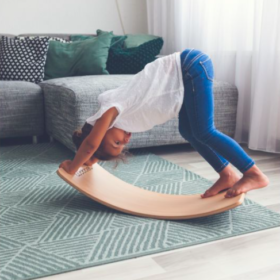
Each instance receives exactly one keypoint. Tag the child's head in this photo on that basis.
(112, 146)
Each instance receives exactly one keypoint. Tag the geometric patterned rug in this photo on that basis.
(48, 227)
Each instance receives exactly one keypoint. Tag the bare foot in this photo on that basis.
(228, 178)
(252, 179)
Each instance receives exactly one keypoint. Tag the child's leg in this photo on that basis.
(210, 155)
(228, 177)
(199, 103)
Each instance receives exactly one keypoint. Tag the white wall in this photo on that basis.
(72, 16)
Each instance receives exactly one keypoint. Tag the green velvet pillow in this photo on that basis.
(87, 57)
(135, 40)
(133, 60)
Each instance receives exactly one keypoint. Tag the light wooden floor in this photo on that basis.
(250, 256)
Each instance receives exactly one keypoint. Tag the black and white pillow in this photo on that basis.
(23, 59)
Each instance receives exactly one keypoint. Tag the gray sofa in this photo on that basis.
(57, 107)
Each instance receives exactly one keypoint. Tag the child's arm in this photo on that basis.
(93, 140)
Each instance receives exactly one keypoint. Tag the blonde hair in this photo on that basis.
(101, 154)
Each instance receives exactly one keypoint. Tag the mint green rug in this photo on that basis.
(48, 227)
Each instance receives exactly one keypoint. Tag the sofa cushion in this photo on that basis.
(22, 109)
(23, 60)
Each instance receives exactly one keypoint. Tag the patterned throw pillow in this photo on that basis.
(133, 60)
(23, 59)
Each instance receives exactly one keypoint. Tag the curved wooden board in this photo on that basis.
(103, 187)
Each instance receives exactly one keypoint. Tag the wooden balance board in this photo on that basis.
(105, 188)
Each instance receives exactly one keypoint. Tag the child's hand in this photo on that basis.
(66, 165)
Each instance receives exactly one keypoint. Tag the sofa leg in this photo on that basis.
(51, 139)
(34, 139)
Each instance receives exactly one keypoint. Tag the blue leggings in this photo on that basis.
(196, 116)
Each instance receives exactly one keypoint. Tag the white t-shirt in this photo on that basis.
(152, 97)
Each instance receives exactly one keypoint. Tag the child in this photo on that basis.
(178, 85)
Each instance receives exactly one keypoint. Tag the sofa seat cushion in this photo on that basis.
(70, 101)
(22, 109)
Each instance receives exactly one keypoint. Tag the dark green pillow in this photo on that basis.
(133, 60)
(87, 57)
